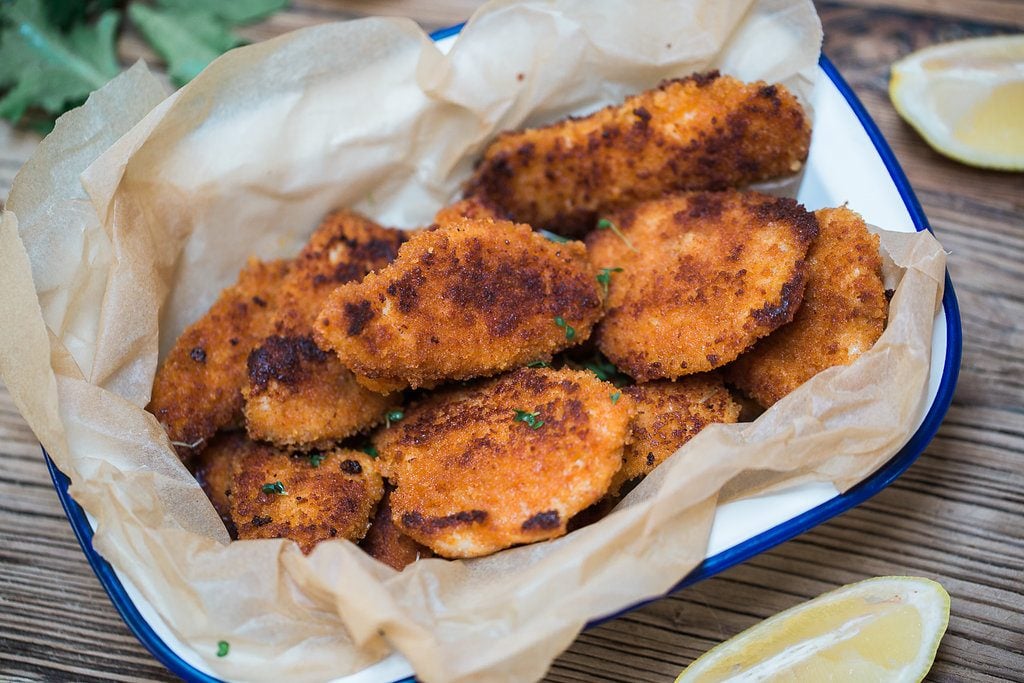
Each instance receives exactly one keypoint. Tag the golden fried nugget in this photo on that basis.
(470, 207)
(298, 395)
(704, 275)
(301, 395)
(471, 298)
(703, 132)
(198, 389)
(384, 542)
(307, 498)
(504, 462)
(668, 415)
(843, 313)
(212, 469)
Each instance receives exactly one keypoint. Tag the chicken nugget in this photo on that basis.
(307, 498)
(843, 313)
(506, 461)
(212, 469)
(703, 132)
(704, 275)
(384, 542)
(669, 414)
(198, 389)
(298, 395)
(469, 299)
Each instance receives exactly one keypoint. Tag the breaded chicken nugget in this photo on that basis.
(704, 275)
(471, 298)
(386, 543)
(504, 462)
(703, 132)
(212, 469)
(298, 395)
(305, 497)
(198, 389)
(843, 313)
(668, 415)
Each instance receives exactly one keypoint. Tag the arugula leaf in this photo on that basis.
(189, 34)
(49, 69)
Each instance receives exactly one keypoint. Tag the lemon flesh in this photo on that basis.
(883, 629)
(966, 99)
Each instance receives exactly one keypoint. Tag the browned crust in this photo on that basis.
(212, 469)
(702, 132)
(472, 479)
(471, 298)
(197, 390)
(708, 274)
(299, 395)
(336, 498)
(668, 415)
(843, 313)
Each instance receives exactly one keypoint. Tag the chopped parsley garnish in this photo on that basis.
(615, 397)
(531, 419)
(605, 278)
(275, 488)
(553, 237)
(539, 364)
(393, 416)
(570, 332)
(370, 450)
(605, 224)
(602, 367)
(222, 648)
(315, 458)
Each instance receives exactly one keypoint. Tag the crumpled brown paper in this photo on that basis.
(140, 207)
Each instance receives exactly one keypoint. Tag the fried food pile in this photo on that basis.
(508, 373)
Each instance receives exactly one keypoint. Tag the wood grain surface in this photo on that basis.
(955, 516)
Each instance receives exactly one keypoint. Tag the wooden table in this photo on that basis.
(955, 516)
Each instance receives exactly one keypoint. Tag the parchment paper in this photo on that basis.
(140, 207)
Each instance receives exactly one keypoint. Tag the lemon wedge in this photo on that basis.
(883, 629)
(966, 99)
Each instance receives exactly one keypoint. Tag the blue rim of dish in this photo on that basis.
(712, 565)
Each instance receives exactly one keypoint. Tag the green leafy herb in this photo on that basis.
(41, 66)
(615, 397)
(605, 278)
(315, 458)
(370, 450)
(393, 416)
(605, 224)
(553, 237)
(189, 34)
(222, 648)
(275, 488)
(531, 419)
(539, 364)
(570, 333)
(54, 53)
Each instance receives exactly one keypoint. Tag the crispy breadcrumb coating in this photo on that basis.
(704, 276)
(198, 389)
(386, 543)
(668, 415)
(470, 207)
(843, 312)
(307, 498)
(504, 462)
(703, 132)
(471, 298)
(298, 395)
